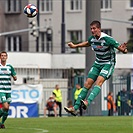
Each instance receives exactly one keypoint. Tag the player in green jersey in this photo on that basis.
(6, 72)
(104, 47)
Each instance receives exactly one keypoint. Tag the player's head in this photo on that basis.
(95, 28)
(96, 23)
(3, 52)
(3, 56)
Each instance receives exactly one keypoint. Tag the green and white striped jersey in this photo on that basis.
(6, 72)
(104, 48)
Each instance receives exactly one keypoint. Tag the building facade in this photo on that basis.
(13, 19)
(50, 20)
(115, 17)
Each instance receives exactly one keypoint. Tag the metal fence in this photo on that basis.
(48, 87)
(121, 86)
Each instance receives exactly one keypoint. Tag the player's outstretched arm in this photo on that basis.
(123, 48)
(83, 44)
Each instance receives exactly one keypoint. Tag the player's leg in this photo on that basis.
(106, 71)
(96, 90)
(81, 96)
(1, 109)
(6, 103)
(92, 76)
(5, 114)
(88, 84)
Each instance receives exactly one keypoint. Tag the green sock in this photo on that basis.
(4, 116)
(82, 96)
(1, 112)
(93, 94)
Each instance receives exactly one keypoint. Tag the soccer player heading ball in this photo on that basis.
(104, 47)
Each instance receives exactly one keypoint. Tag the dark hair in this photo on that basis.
(97, 23)
(3, 52)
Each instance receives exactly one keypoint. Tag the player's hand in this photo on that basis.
(124, 47)
(71, 45)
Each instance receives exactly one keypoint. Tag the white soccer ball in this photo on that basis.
(30, 10)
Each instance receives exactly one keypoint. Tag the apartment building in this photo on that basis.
(50, 21)
(114, 17)
(13, 19)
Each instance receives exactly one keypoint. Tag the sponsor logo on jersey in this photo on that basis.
(97, 47)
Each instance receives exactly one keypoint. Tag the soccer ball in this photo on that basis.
(30, 10)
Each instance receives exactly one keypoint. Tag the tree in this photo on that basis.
(130, 43)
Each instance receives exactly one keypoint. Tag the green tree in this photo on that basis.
(130, 44)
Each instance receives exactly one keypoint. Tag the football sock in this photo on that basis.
(93, 94)
(82, 96)
(1, 112)
(5, 114)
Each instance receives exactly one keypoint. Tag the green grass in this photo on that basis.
(88, 124)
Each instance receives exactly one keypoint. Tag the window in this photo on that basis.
(106, 4)
(43, 42)
(75, 4)
(107, 31)
(13, 43)
(130, 39)
(46, 5)
(131, 3)
(75, 36)
(13, 6)
(46, 42)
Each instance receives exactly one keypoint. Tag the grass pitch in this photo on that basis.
(88, 124)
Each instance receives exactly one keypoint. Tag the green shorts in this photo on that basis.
(105, 70)
(5, 97)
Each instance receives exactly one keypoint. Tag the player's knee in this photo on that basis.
(6, 106)
(98, 83)
(87, 85)
(100, 80)
(89, 82)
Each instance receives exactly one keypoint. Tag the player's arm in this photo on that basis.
(120, 47)
(83, 44)
(123, 48)
(13, 73)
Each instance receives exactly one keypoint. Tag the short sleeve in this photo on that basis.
(89, 39)
(13, 72)
(112, 42)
